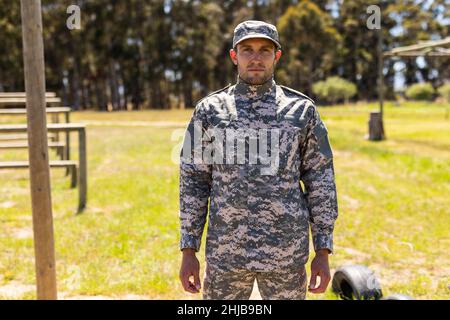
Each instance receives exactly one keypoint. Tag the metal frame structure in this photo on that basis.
(432, 48)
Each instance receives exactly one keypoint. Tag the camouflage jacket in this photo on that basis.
(259, 214)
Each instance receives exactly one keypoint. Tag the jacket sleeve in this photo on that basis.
(195, 181)
(317, 174)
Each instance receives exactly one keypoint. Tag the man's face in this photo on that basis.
(256, 59)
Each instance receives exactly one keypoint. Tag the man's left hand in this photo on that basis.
(321, 269)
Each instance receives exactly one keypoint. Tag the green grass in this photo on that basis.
(393, 201)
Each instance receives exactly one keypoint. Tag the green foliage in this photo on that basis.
(420, 91)
(309, 41)
(334, 89)
(444, 91)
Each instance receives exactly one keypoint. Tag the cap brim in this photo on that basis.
(251, 36)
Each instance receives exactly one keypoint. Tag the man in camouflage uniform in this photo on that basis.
(259, 214)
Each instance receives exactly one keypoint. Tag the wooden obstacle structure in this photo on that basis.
(82, 162)
(62, 150)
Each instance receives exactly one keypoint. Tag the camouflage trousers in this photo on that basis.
(238, 285)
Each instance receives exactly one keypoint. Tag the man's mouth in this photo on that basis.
(255, 69)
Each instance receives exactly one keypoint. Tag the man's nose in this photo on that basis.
(256, 56)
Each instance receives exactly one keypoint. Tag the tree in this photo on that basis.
(309, 44)
(358, 59)
(334, 89)
(11, 69)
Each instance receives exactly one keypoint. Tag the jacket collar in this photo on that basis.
(253, 91)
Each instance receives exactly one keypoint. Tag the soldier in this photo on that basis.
(259, 213)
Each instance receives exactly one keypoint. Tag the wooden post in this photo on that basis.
(82, 147)
(67, 147)
(41, 202)
(67, 115)
(55, 119)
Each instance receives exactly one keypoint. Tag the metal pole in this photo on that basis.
(381, 79)
(380, 71)
(41, 202)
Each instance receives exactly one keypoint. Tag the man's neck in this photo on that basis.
(253, 90)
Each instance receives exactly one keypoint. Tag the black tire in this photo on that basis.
(398, 296)
(356, 282)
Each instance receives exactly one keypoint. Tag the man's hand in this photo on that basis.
(190, 268)
(321, 269)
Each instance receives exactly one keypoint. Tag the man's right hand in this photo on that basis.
(190, 268)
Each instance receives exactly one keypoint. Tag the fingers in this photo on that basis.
(187, 284)
(312, 281)
(189, 274)
(190, 280)
(184, 278)
(197, 283)
(324, 280)
(192, 287)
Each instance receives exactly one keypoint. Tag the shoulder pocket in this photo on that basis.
(295, 121)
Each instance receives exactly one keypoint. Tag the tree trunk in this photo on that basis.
(100, 90)
(65, 89)
(85, 95)
(187, 92)
(113, 86)
(75, 89)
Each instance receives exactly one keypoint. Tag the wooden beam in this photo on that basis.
(19, 111)
(18, 137)
(4, 102)
(68, 164)
(41, 202)
(51, 127)
(23, 94)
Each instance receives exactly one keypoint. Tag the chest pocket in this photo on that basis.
(293, 136)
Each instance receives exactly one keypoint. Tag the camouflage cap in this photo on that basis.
(255, 29)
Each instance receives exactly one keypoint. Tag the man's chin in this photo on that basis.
(255, 80)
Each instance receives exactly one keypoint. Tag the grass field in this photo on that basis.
(393, 203)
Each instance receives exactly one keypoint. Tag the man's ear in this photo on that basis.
(277, 55)
(233, 55)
